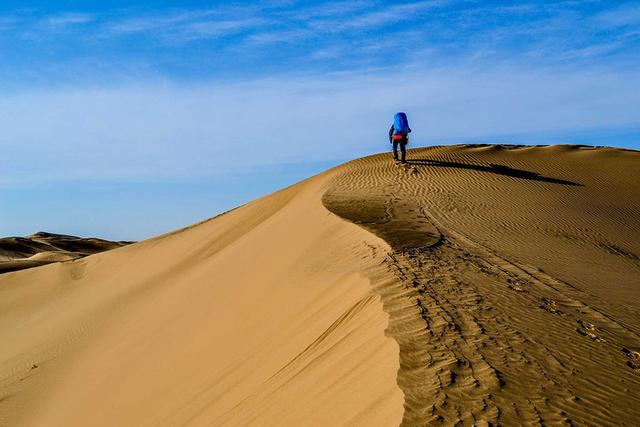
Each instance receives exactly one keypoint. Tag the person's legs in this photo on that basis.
(395, 149)
(403, 149)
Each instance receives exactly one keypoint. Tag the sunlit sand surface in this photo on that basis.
(474, 285)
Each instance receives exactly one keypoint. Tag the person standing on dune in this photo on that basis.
(399, 134)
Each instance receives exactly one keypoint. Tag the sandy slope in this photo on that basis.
(482, 284)
(261, 315)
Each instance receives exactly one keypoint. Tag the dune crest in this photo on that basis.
(478, 284)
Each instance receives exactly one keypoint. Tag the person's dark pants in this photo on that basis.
(403, 149)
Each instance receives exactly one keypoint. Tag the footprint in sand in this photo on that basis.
(634, 359)
(515, 286)
(552, 307)
(588, 330)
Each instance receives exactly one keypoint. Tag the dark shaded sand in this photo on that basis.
(18, 253)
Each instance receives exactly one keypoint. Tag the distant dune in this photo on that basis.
(475, 285)
(18, 253)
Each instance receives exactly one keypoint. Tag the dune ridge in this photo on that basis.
(475, 285)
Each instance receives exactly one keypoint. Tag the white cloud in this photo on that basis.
(392, 14)
(155, 22)
(263, 38)
(206, 29)
(592, 50)
(185, 25)
(327, 53)
(165, 130)
(371, 19)
(65, 19)
(625, 15)
(331, 9)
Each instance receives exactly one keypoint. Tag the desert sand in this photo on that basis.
(475, 285)
(41, 248)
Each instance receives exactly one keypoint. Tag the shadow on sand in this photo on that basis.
(493, 168)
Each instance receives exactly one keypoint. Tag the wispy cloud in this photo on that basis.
(333, 9)
(155, 22)
(370, 19)
(333, 32)
(65, 19)
(593, 50)
(183, 25)
(392, 15)
(625, 15)
(269, 36)
(207, 29)
(327, 53)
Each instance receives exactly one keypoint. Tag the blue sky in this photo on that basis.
(129, 119)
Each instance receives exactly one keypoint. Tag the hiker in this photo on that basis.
(399, 134)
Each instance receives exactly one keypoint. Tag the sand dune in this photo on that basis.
(478, 284)
(19, 253)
